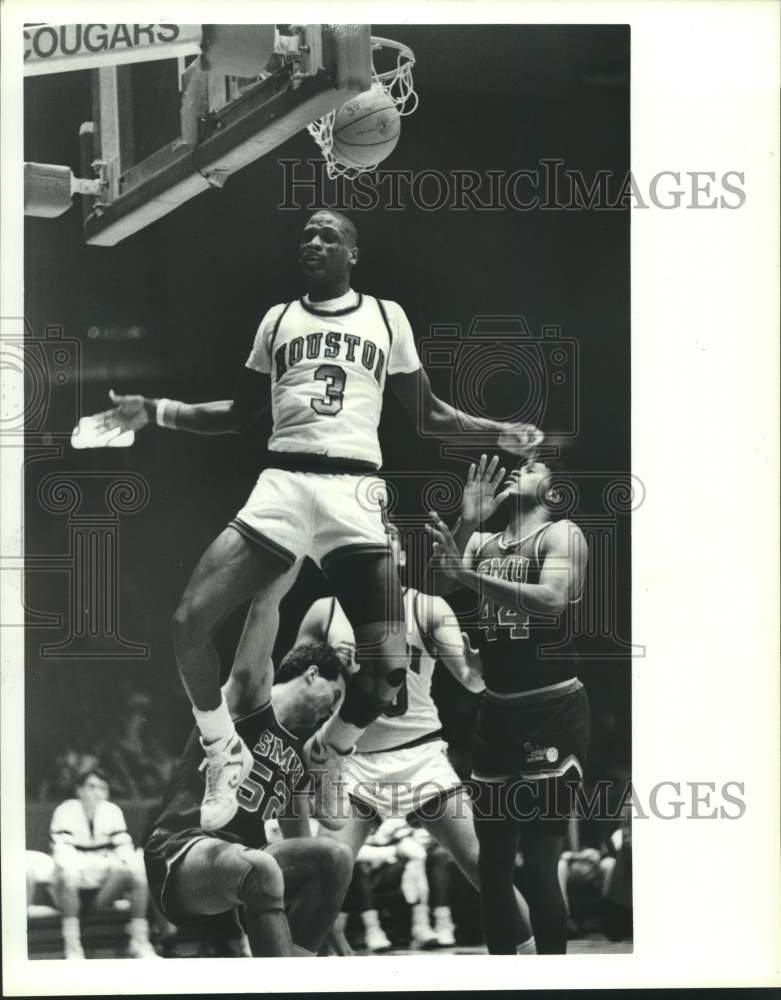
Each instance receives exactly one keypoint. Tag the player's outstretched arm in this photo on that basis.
(451, 645)
(444, 568)
(314, 624)
(224, 416)
(413, 390)
(561, 578)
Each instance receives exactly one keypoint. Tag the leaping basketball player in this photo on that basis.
(322, 361)
(533, 726)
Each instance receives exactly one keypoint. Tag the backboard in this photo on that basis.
(164, 131)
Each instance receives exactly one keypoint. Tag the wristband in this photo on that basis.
(165, 413)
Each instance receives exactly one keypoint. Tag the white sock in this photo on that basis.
(420, 915)
(527, 947)
(239, 946)
(215, 724)
(139, 929)
(71, 930)
(442, 915)
(370, 919)
(341, 735)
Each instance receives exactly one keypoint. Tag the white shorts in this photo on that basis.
(396, 783)
(297, 514)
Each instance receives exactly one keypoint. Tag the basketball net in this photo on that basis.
(397, 84)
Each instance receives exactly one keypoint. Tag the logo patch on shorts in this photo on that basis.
(534, 754)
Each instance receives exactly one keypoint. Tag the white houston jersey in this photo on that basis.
(328, 362)
(413, 713)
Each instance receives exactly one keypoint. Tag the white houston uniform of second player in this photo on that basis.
(400, 766)
(400, 762)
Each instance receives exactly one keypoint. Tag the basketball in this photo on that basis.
(366, 128)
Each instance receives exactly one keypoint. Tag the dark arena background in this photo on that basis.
(172, 311)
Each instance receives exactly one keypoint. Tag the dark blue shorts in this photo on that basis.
(529, 755)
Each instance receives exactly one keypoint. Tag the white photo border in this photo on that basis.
(705, 311)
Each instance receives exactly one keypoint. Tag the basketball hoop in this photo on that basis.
(397, 83)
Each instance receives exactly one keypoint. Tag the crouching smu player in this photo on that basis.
(533, 725)
(289, 893)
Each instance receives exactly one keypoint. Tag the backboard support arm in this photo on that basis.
(333, 66)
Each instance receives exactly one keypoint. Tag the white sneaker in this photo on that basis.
(424, 937)
(225, 771)
(324, 763)
(73, 950)
(446, 936)
(141, 949)
(377, 940)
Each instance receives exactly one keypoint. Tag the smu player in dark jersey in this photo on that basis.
(290, 892)
(533, 725)
(321, 363)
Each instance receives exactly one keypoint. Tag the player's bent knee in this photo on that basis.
(396, 676)
(332, 860)
(262, 886)
(336, 861)
(180, 623)
(191, 623)
(381, 670)
(363, 701)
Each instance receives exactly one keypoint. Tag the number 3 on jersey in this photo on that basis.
(335, 379)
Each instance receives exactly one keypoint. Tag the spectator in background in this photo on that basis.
(440, 869)
(597, 883)
(63, 773)
(93, 850)
(393, 859)
(136, 763)
(616, 867)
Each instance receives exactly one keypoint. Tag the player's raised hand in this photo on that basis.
(520, 439)
(480, 498)
(445, 550)
(129, 413)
